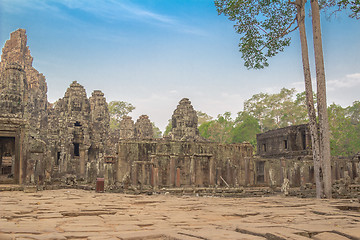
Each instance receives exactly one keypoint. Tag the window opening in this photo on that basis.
(285, 144)
(304, 141)
(58, 158)
(76, 149)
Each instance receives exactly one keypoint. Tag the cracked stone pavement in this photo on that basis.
(78, 214)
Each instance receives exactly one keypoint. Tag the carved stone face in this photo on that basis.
(76, 105)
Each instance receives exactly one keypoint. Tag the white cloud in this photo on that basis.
(349, 81)
(107, 10)
(346, 82)
(111, 10)
(354, 75)
(18, 6)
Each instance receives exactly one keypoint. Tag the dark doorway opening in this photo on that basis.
(260, 172)
(303, 138)
(311, 175)
(7, 159)
(285, 144)
(58, 158)
(76, 149)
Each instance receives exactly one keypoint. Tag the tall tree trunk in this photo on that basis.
(324, 134)
(300, 5)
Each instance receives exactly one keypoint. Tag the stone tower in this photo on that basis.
(100, 117)
(127, 128)
(12, 91)
(73, 142)
(16, 51)
(23, 111)
(185, 122)
(143, 128)
(100, 120)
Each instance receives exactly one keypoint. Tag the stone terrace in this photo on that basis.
(78, 214)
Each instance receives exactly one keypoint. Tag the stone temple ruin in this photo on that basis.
(43, 143)
(286, 153)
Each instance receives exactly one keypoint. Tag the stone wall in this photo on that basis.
(187, 160)
(286, 153)
(183, 163)
(292, 140)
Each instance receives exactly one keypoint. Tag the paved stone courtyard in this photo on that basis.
(79, 214)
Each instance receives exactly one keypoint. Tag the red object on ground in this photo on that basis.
(100, 185)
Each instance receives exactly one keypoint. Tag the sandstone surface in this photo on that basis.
(78, 214)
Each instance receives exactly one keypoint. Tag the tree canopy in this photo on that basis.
(263, 27)
(263, 112)
(117, 110)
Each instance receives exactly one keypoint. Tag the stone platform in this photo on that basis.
(78, 214)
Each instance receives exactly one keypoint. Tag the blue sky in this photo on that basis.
(153, 53)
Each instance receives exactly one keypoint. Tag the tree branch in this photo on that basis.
(282, 34)
(261, 29)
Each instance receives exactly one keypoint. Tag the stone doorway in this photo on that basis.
(260, 172)
(7, 160)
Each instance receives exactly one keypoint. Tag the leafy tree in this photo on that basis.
(277, 110)
(157, 132)
(204, 129)
(203, 117)
(264, 27)
(117, 110)
(353, 5)
(245, 129)
(345, 129)
(354, 112)
(219, 130)
(168, 128)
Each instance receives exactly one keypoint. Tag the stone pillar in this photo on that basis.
(19, 171)
(172, 171)
(82, 162)
(218, 174)
(302, 175)
(143, 174)
(152, 175)
(211, 171)
(247, 171)
(199, 174)
(192, 170)
(122, 165)
(152, 170)
(265, 174)
(156, 178)
(177, 177)
(108, 174)
(283, 169)
(134, 180)
(228, 173)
